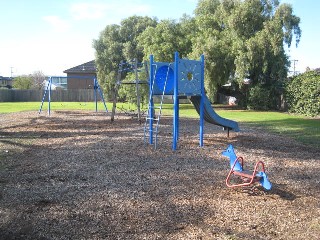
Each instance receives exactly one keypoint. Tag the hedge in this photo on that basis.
(303, 94)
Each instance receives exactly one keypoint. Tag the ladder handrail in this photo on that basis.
(149, 103)
(161, 104)
(159, 113)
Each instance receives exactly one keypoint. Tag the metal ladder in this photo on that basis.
(158, 115)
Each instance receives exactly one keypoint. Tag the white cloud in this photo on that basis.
(138, 9)
(288, 1)
(57, 23)
(115, 10)
(82, 11)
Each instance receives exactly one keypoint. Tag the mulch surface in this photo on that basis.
(77, 175)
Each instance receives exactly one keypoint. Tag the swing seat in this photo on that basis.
(246, 177)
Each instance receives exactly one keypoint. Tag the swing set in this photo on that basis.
(48, 90)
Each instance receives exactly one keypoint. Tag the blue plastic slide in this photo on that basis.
(211, 116)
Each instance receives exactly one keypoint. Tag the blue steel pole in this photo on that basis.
(101, 95)
(175, 102)
(49, 96)
(151, 105)
(95, 86)
(44, 95)
(202, 101)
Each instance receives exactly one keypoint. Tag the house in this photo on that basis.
(6, 82)
(81, 76)
(57, 83)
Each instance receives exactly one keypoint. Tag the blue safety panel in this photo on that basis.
(163, 74)
(189, 75)
(164, 79)
(189, 78)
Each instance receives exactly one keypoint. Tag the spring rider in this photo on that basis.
(247, 177)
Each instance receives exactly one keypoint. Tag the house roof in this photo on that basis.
(88, 67)
(6, 78)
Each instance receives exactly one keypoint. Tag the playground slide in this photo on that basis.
(211, 116)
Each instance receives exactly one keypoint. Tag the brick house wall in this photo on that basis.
(82, 76)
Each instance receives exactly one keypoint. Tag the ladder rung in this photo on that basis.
(153, 131)
(155, 119)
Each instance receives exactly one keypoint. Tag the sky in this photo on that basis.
(54, 35)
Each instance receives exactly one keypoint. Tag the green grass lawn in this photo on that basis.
(305, 130)
(7, 107)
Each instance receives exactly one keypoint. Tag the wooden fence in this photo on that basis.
(71, 95)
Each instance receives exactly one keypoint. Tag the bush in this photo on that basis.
(263, 97)
(22, 82)
(303, 94)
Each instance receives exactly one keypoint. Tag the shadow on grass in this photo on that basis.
(306, 131)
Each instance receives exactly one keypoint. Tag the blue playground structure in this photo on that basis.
(247, 178)
(182, 78)
(48, 90)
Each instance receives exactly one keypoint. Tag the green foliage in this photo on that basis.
(241, 39)
(108, 56)
(244, 39)
(128, 92)
(303, 94)
(131, 28)
(289, 22)
(23, 82)
(262, 97)
(115, 44)
(166, 38)
(31, 81)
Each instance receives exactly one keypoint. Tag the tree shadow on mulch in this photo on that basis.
(278, 190)
(282, 193)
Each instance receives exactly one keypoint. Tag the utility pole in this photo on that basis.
(11, 71)
(294, 66)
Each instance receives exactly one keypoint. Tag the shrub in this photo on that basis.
(303, 94)
(22, 82)
(263, 97)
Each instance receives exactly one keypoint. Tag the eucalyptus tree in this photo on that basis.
(109, 53)
(131, 28)
(118, 43)
(244, 40)
(166, 38)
